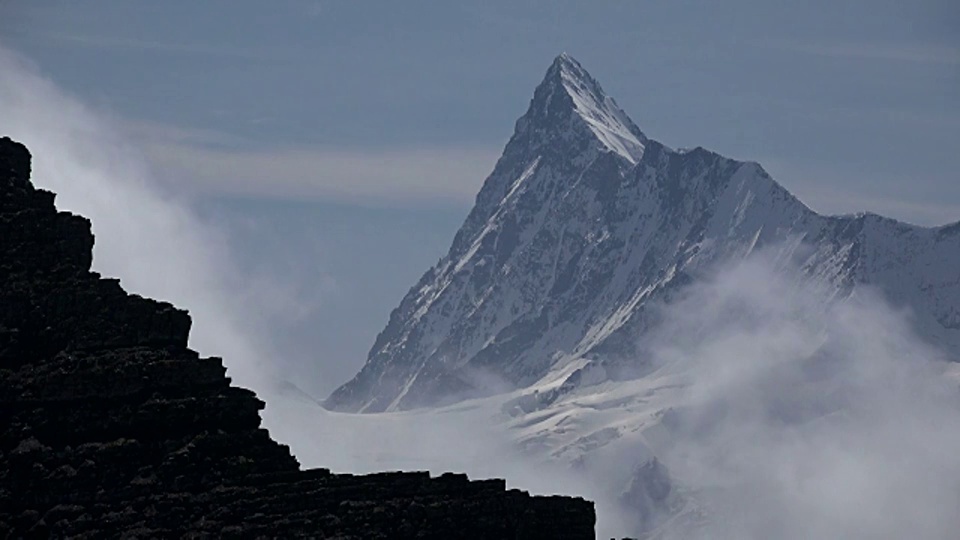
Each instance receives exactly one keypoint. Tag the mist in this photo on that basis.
(147, 237)
(803, 418)
(794, 418)
(153, 241)
(783, 415)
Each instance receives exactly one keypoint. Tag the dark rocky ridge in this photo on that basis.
(112, 427)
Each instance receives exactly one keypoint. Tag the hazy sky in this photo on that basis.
(340, 144)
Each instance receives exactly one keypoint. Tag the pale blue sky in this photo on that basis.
(347, 139)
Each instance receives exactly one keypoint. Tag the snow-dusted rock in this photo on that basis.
(583, 225)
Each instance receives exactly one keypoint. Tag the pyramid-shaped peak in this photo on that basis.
(569, 66)
(569, 73)
(564, 60)
(586, 98)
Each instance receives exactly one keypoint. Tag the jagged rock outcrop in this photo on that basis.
(111, 427)
(584, 223)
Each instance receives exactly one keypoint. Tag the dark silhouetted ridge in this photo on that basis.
(112, 427)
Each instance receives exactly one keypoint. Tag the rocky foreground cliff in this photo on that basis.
(111, 427)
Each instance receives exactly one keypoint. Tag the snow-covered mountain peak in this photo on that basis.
(571, 72)
(583, 225)
(569, 88)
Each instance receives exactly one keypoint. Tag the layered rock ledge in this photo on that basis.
(110, 426)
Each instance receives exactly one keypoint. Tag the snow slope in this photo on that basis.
(584, 224)
(767, 411)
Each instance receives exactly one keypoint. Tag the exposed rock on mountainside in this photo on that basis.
(112, 427)
(584, 224)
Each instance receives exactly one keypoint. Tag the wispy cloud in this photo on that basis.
(153, 242)
(207, 162)
(929, 213)
(805, 418)
(845, 190)
(156, 133)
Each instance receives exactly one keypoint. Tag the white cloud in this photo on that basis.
(149, 239)
(804, 419)
(792, 418)
(160, 249)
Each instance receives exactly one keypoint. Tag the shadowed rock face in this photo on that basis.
(111, 426)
